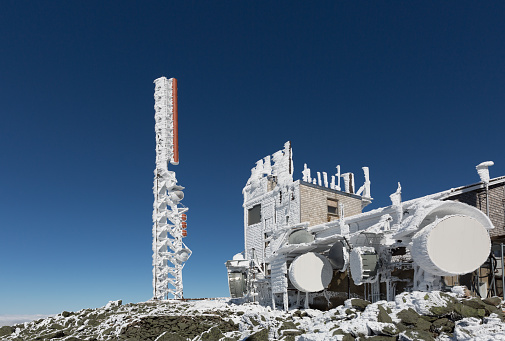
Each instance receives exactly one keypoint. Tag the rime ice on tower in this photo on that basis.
(169, 216)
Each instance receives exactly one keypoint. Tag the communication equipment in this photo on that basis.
(453, 245)
(364, 263)
(169, 252)
(295, 241)
(300, 237)
(338, 256)
(237, 284)
(310, 272)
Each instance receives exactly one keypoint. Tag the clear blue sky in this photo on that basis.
(412, 89)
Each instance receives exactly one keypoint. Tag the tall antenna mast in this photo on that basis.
(169, 216)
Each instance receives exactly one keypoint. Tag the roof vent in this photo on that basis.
(483, 171)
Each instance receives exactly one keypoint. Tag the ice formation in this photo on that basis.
(483, 170)
(169, 251)
(428, 236)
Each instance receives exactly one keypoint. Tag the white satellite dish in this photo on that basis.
(300, 237)
(310, 272)
(364, 264)
(183, 255)
(338, 256)
(453, 245)
(176, 196)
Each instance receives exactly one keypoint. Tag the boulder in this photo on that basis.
(446, 309)
(422, 324)
(443, 325)
(408, 316)
(411, 318)
(212, 334)
(383, 315)
(287, 325)
(390, 331)
(261, 335)
(494, 301)
(462, 310)
(359, 304)
(338, 332)
(6, 330)
(58, 334)
(474, 302)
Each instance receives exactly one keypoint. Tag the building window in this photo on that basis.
(254, 215)
(332, 205)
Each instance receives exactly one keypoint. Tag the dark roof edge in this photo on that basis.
(468, 188)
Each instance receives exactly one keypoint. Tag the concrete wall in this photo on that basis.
(314, 203)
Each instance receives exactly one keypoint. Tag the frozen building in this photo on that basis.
(488, 196)
(272, 200)
(307, 242)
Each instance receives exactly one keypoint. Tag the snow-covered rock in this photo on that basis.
(412, 316)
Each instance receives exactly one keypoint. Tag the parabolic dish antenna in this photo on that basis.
(453, 245)
(364, 264)
(237, 284)
(300, 237)
(183, 255)
(310, 272)
(338, 256)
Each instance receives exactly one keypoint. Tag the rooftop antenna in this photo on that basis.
(169, 216)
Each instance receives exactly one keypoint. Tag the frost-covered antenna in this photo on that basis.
(169, 217)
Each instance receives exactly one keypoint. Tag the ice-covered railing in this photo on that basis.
(335, 181)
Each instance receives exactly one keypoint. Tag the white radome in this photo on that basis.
(453, 245)
(310, 272)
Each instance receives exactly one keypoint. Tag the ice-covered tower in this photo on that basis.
(169, 216)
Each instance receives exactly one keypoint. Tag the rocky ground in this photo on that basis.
(412, 316)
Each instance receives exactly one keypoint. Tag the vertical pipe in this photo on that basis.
(176, 124)
(387, 289)
(502, 273)
(493, 280)
(487, 200)
(348, 284)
